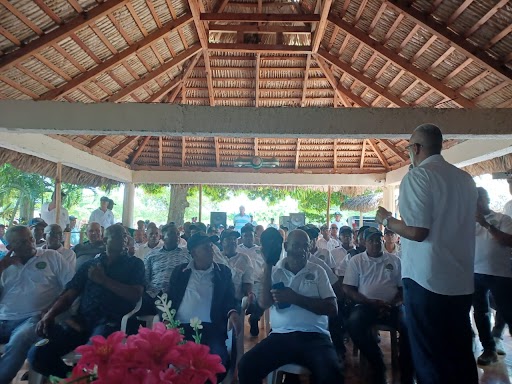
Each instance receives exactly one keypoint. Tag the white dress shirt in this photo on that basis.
(242, 272)
(105, 219)
(491, 258)
(50, 217)
(27, 289)
(442, 198)
(197, 300)
(144, 250)
(507, 209)
(327, 244)
(256, 257)
(376, 278)
(67, 254)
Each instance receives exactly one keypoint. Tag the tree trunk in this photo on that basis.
(13, 217)
(178, 204)
(25, 213)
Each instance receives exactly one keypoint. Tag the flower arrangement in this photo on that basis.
(153, 356)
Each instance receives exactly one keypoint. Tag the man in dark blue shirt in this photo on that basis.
(108, 286)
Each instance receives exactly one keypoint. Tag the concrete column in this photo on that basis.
(128, 201)
(389, 198)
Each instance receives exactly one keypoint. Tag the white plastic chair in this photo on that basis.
(236, 341)
(276, 377)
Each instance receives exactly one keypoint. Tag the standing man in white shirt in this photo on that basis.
(272, 224)
(103, 215)
(437, 205)
(492, 274)
(338, 220)
(31, 280)
(49, 212)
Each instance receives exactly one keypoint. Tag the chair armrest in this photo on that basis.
(124, 321)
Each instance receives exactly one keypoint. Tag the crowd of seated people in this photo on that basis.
(320, 285)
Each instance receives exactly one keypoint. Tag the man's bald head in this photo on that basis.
(430, 137)
(297, 244)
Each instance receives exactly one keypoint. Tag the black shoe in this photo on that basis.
(488, 357)
(255, 329)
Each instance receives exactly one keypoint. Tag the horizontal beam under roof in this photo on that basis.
(133, 119)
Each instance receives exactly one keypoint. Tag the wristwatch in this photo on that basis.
(385, 221)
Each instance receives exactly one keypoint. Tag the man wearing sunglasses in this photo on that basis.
(437, 204)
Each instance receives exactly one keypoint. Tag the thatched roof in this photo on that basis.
(363, 203)
(498, 164)
(47, 168)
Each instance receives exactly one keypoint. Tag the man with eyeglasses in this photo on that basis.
(437, 204)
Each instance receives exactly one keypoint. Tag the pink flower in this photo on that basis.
(156, 348)
(196, 364)
(100, 351)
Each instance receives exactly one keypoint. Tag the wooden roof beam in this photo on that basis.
(116, 59)
(378, 152)
(60, 33)
(261, 17)
(183, 150)
(338, 87)
(363, 155)
(139, 150)
(257, 81)
(305, 82)
(360, 77)
(393, 148)
(94, 142)
(403, 63)
(320, 27)
(297, 154)
(157, 96)
(262, 48)
(451, 38)
(458, 12)
(155, 73)
(217, 151)
(122, 145)
(267, 29)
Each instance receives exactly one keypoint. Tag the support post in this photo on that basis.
(328, 204)
(389, 198)
(200, 203)
(128, 201)
(361, 219)
(58, 199)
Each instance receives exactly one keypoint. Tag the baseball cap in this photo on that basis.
(37, 221)
(247, 228)
(197, 239)
(311, 230)
(372, 232)
(72, 217)
(346, 229)
(337, 213)
(229, 233)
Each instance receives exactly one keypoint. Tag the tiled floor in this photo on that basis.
(498, 373)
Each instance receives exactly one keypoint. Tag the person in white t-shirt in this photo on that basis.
(241, 219)
(103, 215)
(437, 231)
(49, 212)
(301, 300)
(322, 253)
(54, 240)
(326, 241)
(154, 242)
(373, 281)
(391, 243)
(31, 280)
(492, 273)
(346, 235)
(338, 220)
(507, 209)
(272, 224)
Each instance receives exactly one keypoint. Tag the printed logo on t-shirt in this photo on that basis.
(41, 265)
(389, 267)
(309, 277)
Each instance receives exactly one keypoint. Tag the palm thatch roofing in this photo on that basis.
(498, 164)
(364, 203)
(257, 53)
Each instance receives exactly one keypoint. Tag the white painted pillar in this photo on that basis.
(389, 198)
(128, 202)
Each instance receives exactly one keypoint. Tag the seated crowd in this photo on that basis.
(321, 286)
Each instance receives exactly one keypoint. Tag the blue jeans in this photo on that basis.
(47, 359)
(19, 335)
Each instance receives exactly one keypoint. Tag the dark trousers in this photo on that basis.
(337, 331)
(215, 338)
(499, 326)
(255, 311)
(309, 349)
(360, 327)
(440, 336)
(47, 359)
(500, 287)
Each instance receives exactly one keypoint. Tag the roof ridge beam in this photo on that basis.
(60, 33)
(116, 59)
(402, 63)
(450, 38)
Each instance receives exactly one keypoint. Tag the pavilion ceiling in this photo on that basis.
(257, 53)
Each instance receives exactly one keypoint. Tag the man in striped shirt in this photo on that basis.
(160, 264)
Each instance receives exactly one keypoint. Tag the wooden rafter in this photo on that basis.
(19, 87)
(297, 154)
(256, 152)
(183, 150)
(335, 154)
(450, 38)
(60, 33)
(112, 62)
(262, 48)
(378, 152)
(175, 93)
(257, 81)
(221, 5)
(160, 151)
(139, 150)
(458, 12)
(360, 11)
(217, 151)
(195, 8)
(363, 154)
(305, 82)
(94, 142)
(363, 79)
(377, 18)
(338, 88)
(122, 145)
(320, 27)
(393, 28)
(155, 73)
(393, 148)
(262, 29)
(9, 36)
(261, 17)
(424, 48)
(155, 97)
(21, 16)
(441, 58)
(403, 63)
(46, 9)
